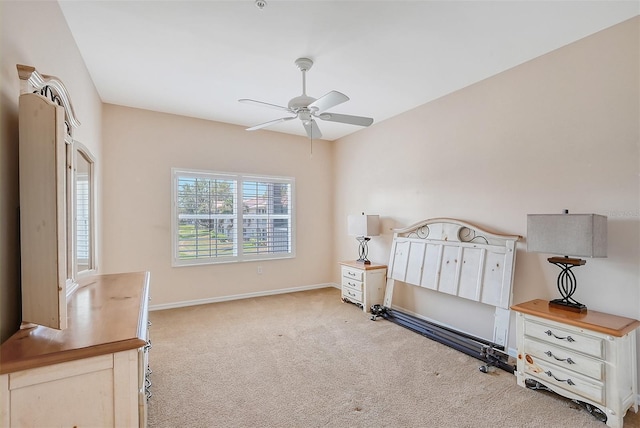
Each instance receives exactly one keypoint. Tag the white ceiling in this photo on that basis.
(197, 58)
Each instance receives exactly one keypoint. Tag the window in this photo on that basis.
(83, 212)
(81, 225)
(222, 217)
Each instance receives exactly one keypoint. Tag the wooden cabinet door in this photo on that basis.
(43, 207)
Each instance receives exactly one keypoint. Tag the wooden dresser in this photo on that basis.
(93, 373)
(588, 357)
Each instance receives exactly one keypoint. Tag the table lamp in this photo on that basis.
(362, 227)
(572, 236)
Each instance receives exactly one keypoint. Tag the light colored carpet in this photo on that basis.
(308, 360)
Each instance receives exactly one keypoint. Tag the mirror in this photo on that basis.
(84, 210)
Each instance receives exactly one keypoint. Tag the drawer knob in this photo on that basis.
(569, 381)
(567, 338)
(568, 359)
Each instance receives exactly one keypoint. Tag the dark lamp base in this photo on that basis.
(363, 250)
(568, 306)
(567, 284)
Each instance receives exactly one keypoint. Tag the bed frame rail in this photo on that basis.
(491, 354)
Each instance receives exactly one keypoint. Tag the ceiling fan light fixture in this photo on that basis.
(304, 115)
(261, 4)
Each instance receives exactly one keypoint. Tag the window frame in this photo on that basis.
(238, 216)
(86, 212)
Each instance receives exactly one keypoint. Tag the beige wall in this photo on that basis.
(34, 33)
(141, 147)
(560, 131)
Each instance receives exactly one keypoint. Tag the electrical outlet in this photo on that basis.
(259, 270)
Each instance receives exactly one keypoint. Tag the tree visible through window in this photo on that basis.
(231, 217)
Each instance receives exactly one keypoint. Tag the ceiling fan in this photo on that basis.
(308, 109)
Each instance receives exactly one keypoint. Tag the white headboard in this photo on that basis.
(458, 258)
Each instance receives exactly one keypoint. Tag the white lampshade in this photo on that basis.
(578, 235)
(363, 225)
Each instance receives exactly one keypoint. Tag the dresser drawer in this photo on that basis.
(350, 273)
(549, 373)
(573, 340)
(565, 358)
(352, 284)
(354, 296)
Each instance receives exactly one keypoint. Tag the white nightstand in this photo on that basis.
(363, 284)
(588, 357)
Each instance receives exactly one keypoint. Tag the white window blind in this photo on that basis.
(221, 217)
(82, 219)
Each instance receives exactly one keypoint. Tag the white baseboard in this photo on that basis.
(186, 303)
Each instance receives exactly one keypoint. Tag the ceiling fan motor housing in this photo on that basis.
(301, 101)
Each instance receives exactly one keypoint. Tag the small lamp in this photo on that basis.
(362, 227)
(576, 235)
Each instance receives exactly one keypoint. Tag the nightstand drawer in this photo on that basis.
(354, 296)
(574, 340)
(565, 358)
(549, 373)
(352, 284)
(352, 273)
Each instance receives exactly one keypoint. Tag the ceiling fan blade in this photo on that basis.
(327, 101)
(346, 118)
(271, 122)
(312, 129)
(263, 104)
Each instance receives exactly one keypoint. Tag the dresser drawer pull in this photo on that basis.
(568, 338)
(352, 284)
(351, 294)
(568, 360)
(351, 274)
(569, 381)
